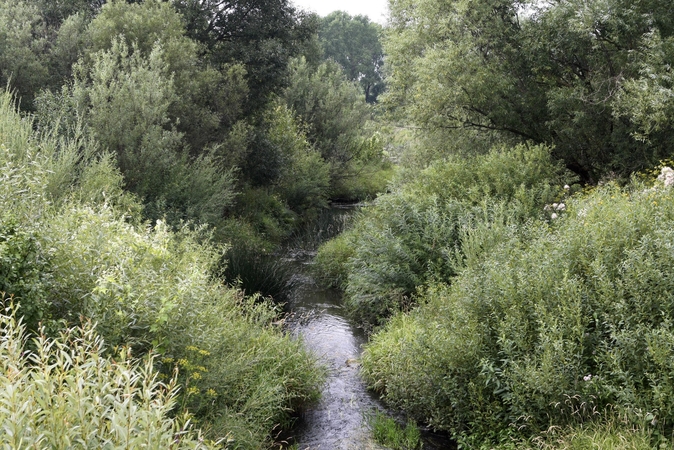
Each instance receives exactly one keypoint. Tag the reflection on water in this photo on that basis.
(337, 422)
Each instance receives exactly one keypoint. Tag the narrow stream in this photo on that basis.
(338, 421)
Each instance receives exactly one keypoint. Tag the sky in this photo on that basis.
(376, 10)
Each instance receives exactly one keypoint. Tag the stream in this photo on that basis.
(339, 420)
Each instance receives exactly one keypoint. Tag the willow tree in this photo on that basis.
(523, 70)
(354, 43)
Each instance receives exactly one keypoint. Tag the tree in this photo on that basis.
(54, 13)
(22, 46)
(209, 100)
(261, 34)
(124, 98)
(547, 73)
(332, 109)
(354, 43)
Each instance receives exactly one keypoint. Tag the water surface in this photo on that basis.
(338, 421)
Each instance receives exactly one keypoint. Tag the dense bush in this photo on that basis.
(556, 324)
(414, 234)
(66, 393)
(23, 270)
(338, 123)
(145, 287)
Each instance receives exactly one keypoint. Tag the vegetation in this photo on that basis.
(74, 245)
(580, 76)
(66, 392)
(556, 323)
(386, 431)
(514, 272)
(413, 234)
(354, 43)
(514, 276)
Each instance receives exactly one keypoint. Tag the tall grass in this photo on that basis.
(386, 431)
(66, 393)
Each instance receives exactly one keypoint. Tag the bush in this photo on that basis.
(66, 392)
(154, 288)
(414, 234)
(331, 259)
(146, 287)
(304, 176)
(386, 431)
(23, 271)
(559, 324)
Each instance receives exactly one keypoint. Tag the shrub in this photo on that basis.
(413, 234)
(386, 431)
(66, 392)
(304, 176)
(331, 259)
(146, 287)
(560, 323)
(154, 288)
(23, 270)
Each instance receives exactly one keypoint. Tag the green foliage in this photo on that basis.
(415, 233)
(304, 177)
(266, 214)
(331, 108)
(255, 272)
(125, 99)
(126, 102)
(558, 323)
(263, 35)
(69, 43)
(55, 14)
(353, 42)
(145, 287)
(22, 68)
(23, 271)
(386, 431)
(368, 174)
(208, 102)
(614, 435)
(646, 100)
(549, 73)
(66, 392)
(143, 25)
(151, 288)
(330, 263)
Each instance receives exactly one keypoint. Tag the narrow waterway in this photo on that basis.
(316, 315)
(339, 420)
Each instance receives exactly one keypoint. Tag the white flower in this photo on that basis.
(667, 176)
(567, 187)
(554, 205)
(561, 207)
(587, 377)
(554, 216)
(546, 208)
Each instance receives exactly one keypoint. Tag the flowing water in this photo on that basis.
(339, 420)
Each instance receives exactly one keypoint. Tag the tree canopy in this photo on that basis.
(556, 73)
(261, 34)
(354, 43)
